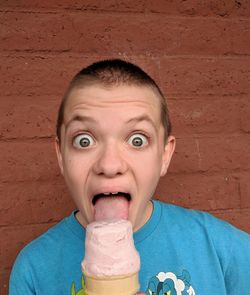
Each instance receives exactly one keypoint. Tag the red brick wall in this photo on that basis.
(198, 51)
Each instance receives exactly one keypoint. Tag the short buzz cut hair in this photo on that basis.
(114, 72)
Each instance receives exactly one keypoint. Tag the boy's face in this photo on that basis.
(112, 140)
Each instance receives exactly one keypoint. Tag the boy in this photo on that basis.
(113, 144)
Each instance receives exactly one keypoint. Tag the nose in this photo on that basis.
(110, 161)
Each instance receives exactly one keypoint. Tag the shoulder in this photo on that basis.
(198, 222)
(43, 247)
(34, 254)
(220, 243)
(53, 236)
(231, 245)
(40, 257)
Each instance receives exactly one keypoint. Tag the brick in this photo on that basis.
(240, 36)
(30, 160)
(4, 279)
(205, 115)
(25, 31)
(200, 8)
(245, 114)
(34, 202)
(186, 156)
(127, 34)
(27, 117)
(245, 189)
(32, 74)
(210, 36)
(183, 8)
(200, 191)
(123, 34)
(237, 217)
(26, 75)
(13, 239)
(205, 76)
(86, 5)
(158, 35)
(225, 153)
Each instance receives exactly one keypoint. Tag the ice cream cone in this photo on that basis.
(115, 285)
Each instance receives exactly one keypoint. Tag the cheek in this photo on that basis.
(148, 171)
(73, 169)
(151, 161)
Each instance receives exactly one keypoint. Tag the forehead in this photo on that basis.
(122, 99)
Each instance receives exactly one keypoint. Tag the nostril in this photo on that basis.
(110, 162)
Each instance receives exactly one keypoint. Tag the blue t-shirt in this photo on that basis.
(182, 252)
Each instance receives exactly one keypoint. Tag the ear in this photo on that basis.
(59, 154)
(167, 154)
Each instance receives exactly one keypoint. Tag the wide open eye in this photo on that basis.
(138, 140)
(83, 141)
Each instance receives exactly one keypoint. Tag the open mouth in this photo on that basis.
(111, 206)
(111, 195)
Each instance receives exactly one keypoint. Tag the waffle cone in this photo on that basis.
(116, 285)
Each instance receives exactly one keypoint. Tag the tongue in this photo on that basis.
(110, 208)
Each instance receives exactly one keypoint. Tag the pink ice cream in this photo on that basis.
(110, 250)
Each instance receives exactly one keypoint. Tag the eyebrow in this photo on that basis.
(79, 118)
(141, 118)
